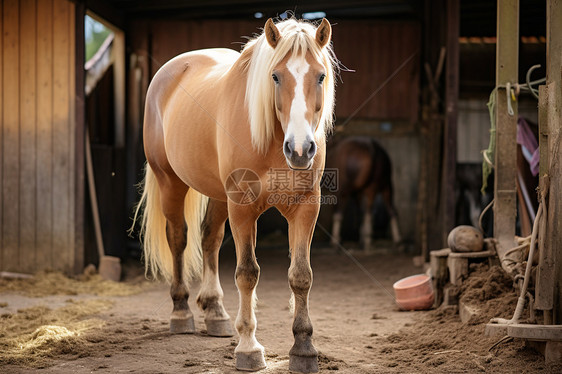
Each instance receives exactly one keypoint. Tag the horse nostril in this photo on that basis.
(287, 148)
(311, 150)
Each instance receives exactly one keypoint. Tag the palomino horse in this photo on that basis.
(223, 133)
(364, 171)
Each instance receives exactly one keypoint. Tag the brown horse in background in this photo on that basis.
(228, 135)
(365, 171)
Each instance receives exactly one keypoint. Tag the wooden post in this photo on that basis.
(439, 273)
(119, 86)
(80, 118)
(429, 220)
(507, 55)
(554, 121)
(451, 118)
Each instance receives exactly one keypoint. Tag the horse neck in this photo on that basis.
(236, 81)
(239, 70)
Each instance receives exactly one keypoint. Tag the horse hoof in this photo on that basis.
(220, 328)
(184, 325)
(252, 361)
(302, 364)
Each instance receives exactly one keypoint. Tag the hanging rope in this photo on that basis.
(512, 92)
(488, 154)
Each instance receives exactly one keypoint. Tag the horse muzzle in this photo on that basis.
(299, 156)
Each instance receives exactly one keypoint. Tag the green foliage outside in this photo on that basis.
(95, 33)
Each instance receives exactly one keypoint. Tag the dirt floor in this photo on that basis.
(357, 327)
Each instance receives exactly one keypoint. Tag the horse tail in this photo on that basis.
(195, 208)
(157, 253)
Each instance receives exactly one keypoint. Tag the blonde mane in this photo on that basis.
(297, 37)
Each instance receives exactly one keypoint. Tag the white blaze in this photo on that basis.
(298, 127)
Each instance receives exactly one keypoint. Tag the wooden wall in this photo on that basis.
(474, 125)
(39, 220)
(374, 50)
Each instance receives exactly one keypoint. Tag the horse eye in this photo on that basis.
(321, 79)
(275, 78)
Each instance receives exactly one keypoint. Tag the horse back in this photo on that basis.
(180, 116)
(188, 77)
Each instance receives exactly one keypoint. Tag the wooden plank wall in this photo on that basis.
(474, 125)
(170, 38)
(374, 50)
(37, 162)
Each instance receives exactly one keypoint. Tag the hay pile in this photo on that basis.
(33, 335)
(55, 283)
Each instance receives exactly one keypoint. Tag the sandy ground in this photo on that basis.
(357, 327)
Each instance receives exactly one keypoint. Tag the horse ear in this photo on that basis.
(323, 33)
(271, 33)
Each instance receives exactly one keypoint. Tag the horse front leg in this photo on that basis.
(210, 298)
(243, 223)
(303, 357)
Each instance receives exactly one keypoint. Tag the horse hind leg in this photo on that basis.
(367, 224)
(210, 298)
(394, 228)
(173, 196)
(367, 230)
(337, 219)
(336, 228)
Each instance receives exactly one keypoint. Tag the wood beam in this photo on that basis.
(507, 55)
(451, 118)
(429, 220)
(554, 124)
(107, 11)
(80, 117)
